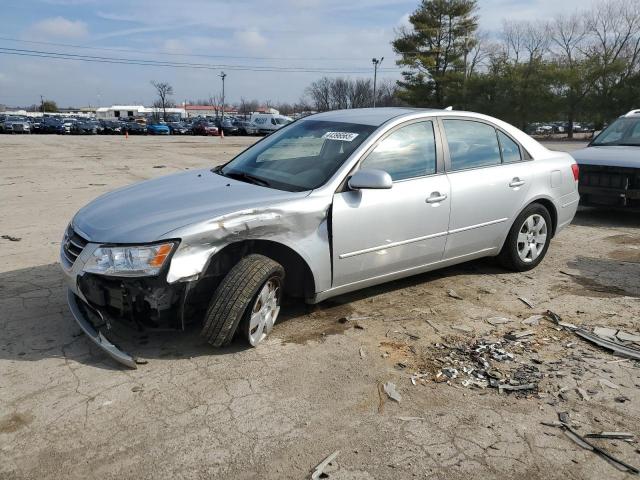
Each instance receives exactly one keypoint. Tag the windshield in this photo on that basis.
(299, 157)
(624, 131)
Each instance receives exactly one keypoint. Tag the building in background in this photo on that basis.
(116, 112)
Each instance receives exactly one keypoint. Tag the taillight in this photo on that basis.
(576, 171)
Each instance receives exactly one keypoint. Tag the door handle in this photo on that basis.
(436, 197)
(516, 182)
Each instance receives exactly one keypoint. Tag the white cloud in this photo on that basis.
(251, 39)
(60, 27)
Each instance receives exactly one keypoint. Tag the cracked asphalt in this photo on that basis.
(314, 387)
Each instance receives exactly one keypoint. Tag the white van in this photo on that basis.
(267, 123)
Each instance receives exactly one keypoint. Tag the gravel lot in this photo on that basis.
(315, 386)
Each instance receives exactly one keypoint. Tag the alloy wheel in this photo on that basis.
(532, 238)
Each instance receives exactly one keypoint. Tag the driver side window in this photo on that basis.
(407, 153)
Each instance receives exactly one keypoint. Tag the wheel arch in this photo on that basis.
(299, 278)
(545, 202)
(551, 208)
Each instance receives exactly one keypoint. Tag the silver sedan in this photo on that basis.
(331, 203)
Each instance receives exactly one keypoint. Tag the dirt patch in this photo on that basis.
(588, 287)
(303, 324)
(14, 422)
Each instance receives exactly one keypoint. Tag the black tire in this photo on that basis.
(508, 256)
(232, 300)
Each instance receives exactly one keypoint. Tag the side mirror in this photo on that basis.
(370, 179)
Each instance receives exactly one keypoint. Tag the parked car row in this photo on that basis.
(259, 124)
(558, 127)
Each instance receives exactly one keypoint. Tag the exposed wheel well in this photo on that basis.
(299, 280)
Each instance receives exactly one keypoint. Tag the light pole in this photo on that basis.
(222, 76)
(375, 62)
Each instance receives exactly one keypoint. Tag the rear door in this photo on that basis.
(489, 183)
(377, 232)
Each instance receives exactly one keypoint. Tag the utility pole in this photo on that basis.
(222, 76)
(42, 106)
(375, 62)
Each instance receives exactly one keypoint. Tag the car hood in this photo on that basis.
(146, 211)
(609, 156)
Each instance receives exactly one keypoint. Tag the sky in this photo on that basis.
(255, 42)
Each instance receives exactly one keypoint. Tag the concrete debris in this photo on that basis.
(362, 354)
(526, 301)
(606, 383)
(392, 393)
(11, 238)
(462, 328)
(528, 386)
(498, 320)
(320, 468)
(607, 333)
(533, 320)
(419, 377)
(411, 419)
(471, 365)
(452, 293)
(627, 337)
(449, 373)
(488, 291)
(475, 383)
(583, 394)
(584, 443)
(518, 335)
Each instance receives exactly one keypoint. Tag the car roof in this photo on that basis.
(632, 113)
(368, 116)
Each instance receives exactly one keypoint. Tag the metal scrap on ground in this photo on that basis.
(526, 301)
(584, 443)
(319, 470)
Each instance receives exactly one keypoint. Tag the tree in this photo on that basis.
(164, 90)
(573, 70)
(613, 28)
(49, 106)
(215, 101)
(435, 51)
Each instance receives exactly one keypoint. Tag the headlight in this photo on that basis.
(131, 261)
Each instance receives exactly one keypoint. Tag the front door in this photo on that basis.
(378, 232)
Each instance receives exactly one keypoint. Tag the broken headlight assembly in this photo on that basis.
(129, 261)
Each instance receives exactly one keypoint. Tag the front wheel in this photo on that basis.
(528, 240)
(248, 297)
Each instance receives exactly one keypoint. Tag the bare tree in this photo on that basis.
(614, 27)
(320, 94)
(215, 101)
(164, 90)
(568, 44)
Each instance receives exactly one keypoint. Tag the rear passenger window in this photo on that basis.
(510, 149)
(408, 152)
(471, 144)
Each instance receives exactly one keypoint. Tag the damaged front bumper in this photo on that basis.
(100, 303)
(77, 306)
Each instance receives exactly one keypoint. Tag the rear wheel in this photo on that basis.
(528, 240)
(249, 296)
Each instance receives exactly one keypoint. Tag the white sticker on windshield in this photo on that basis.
(342, 136)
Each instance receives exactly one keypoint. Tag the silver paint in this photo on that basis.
(377, 235)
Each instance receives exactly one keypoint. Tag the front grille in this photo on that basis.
(72, 245)
(609, 177)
